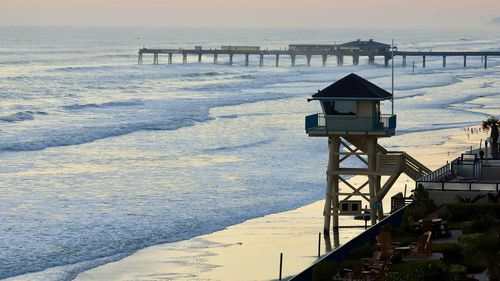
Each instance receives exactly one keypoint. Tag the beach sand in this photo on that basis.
(250, 250)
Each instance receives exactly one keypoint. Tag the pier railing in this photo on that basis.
(339, 53)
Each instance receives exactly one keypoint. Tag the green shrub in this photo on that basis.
(457, 272)
(464, 212)
(324, 270)
(364, 251)
(480, 250)
(428, 270)
(422, 204)
(483, 224)
(451, 252)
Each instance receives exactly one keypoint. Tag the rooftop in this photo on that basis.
(367, 44)
(352, 87)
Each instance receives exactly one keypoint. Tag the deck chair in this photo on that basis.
(384, 240)
(423, 247)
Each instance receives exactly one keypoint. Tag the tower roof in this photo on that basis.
(352, 87)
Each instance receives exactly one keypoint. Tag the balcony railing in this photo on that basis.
(349, 123)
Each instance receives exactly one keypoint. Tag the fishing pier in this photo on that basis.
(355, 49)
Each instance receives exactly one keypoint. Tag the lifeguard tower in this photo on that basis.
(352, 119)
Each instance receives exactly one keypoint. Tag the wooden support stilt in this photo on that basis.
(215, 59)
(423, 61)
(308, 58)
(184, 58)
(325, 57)
(199, 58)
(465, 61)
(169, 58)
(372, 167)
(404, 61)
(277, 60)
(230, 59)
(292, 59)
(261, 60)
(444, 61)
(246, 59)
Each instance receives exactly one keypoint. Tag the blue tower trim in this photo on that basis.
(312, 121)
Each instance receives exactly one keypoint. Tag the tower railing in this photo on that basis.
(322, 122)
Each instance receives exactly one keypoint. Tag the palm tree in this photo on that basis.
(492, 123)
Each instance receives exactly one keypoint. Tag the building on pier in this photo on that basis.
(369, 47)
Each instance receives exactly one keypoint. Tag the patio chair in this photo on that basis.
(423, 247)
(384, 240)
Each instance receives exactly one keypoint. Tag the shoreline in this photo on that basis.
(250, 250)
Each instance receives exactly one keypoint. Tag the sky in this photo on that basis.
(439, 14)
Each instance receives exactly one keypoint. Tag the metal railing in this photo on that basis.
(461, 186)
(437, 174)
(321, 121)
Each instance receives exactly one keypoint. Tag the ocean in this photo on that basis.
(102, 157)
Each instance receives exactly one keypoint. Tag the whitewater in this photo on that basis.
(102, 157)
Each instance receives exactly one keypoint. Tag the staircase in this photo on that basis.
(392, 162)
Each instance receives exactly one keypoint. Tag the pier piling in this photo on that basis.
(155, 58)
(261, 60)
(465, 61)
(139, 58)
(444, 61)
(485, 62)
(277, 60)
(169, 58)
(423, 61)
(386, 60)
(184, 58)
(340, 60)
(371, 59)
(404, 61)
(199, 58)
(292, 59)
(355, 60)
(308, 58)
(246, 59)
(230, 59)
(325, 57)
(215, 58)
